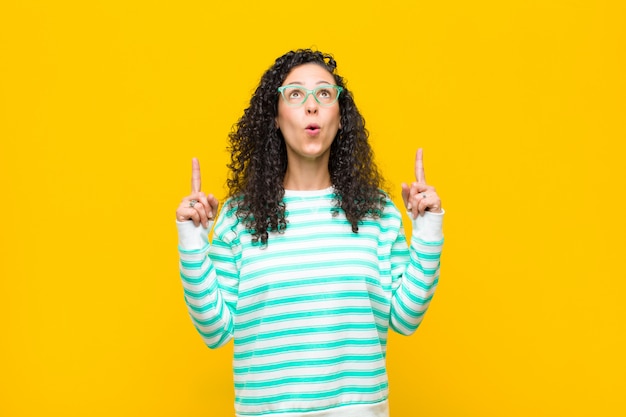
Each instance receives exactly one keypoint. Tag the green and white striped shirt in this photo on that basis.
(309, 313)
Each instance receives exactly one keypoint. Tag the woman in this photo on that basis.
(308, 266)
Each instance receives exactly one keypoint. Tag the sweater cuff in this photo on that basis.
(191, 237)
(428, 227)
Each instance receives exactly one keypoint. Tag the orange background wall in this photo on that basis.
(519, 106)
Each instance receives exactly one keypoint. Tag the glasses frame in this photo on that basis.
(313, 92)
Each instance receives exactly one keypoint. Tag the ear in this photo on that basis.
(276, 122)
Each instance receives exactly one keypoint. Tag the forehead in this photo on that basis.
(309, 74)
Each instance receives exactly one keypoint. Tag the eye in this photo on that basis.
(294, 93)
(324, 93)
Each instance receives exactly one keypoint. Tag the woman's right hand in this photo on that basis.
(197, 206)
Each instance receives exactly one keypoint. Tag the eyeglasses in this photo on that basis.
(295, 95)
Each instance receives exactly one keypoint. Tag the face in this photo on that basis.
(310, 129)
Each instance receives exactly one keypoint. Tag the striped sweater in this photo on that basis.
(309, 313)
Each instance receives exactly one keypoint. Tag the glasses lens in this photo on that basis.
(294, 95)
(326, 94)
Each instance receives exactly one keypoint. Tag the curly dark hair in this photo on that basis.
(259, 157)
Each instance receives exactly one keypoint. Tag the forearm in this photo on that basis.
(207, 307)
(419, 281)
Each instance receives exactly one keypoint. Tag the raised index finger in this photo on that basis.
(195, 175)
(419, 167)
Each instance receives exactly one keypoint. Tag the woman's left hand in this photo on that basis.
(420, 197)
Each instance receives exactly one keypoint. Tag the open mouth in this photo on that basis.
(312, 128)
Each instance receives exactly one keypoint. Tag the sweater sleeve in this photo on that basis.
(414, 279)
(210, 280)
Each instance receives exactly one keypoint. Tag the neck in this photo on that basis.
(304, 176)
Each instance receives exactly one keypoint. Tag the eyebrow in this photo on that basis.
(317, 83)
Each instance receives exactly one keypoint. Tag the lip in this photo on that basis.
(312, 129)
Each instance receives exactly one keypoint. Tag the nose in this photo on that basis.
(311, 105)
